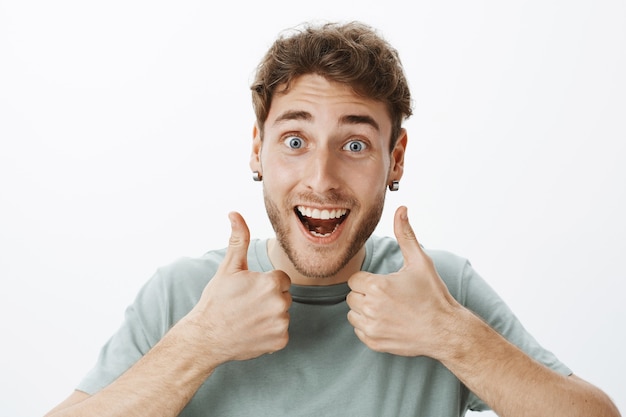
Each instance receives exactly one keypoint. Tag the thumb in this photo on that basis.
(236, 258)
(405, 236)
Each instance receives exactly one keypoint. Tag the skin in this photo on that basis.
(408, 313)
(323, 172)
(411, 313)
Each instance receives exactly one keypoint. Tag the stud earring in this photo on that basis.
(256, 176)
(394, 186)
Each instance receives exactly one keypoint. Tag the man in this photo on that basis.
(326, 319)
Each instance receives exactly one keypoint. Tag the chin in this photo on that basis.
(320, 237)
(326, 256)
(316, 262)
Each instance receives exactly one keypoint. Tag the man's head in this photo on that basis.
(352, 54)
(328, 140)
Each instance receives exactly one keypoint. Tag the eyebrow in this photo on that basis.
(293, 115)
(357, 119)
(351, 119)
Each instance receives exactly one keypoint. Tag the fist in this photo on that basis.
(243, 314)
(401, 313)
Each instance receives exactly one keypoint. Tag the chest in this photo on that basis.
(326, 371)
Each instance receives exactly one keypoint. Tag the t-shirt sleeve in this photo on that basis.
(145, 322)
(164, 299)
(480, 298)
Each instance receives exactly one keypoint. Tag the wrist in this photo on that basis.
(457, 329)
(193, 341)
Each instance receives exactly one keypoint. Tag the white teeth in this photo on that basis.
(322, 214)
(316, 234)
(319, 234)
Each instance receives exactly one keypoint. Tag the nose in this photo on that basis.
(321, 173)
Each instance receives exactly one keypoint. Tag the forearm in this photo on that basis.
(161, 383)
(509, 381)
(241, 315)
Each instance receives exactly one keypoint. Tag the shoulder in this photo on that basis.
(192, 268)
(194, 273)
(175, 288)
(188, 270)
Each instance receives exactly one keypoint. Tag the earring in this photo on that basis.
(257, 176)
(394, 186)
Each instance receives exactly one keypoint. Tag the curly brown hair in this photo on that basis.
(351, 53)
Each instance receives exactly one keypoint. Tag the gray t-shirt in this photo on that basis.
(325, 370)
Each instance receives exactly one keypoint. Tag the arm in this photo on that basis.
(412, 313)
(160, 383)
(240, 315)
(511, 382)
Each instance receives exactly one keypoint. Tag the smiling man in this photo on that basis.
(325, 161)
(327, 319)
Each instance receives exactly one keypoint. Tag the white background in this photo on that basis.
(125, 129)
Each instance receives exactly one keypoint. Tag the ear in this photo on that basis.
(257, 144)
(396, 167)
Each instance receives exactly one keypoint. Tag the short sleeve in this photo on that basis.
(163, 300)
(480, 298)
(145, 322)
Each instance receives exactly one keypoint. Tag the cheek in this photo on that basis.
(282, 168)
(371, 177)
(277, 179)
(273, 162)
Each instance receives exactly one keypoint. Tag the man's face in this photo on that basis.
(326, 164)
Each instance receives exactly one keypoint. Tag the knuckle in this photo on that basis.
(350, 299)
(281, 340)
(278, 307)
(369, 327)
(351, 317)
(374, 328)
(358, 276)
(237, 240)
(379, 285)
(371, 342)
(282, 324)
(368, 311)
(266, 284)
(375, 344)
(285, 302)
(409, 234)
(276, 280)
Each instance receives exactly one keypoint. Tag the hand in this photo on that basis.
(242, 314)
(404, 313)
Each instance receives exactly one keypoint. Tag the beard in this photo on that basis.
(324, 261)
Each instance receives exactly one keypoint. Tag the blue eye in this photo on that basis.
(355, 146)
(294, 142)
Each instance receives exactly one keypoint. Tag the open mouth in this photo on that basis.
(321, 222)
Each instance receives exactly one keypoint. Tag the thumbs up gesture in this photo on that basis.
(242, 314)
(402, 313)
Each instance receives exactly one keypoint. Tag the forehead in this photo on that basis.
(316, 99)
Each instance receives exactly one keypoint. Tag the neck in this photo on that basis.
(281, 261)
